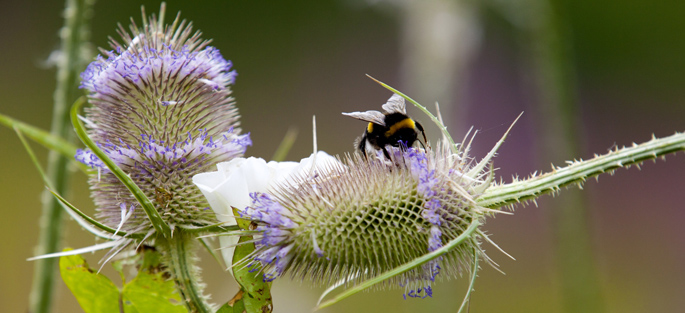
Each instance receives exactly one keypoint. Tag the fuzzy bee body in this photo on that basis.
(391, 128)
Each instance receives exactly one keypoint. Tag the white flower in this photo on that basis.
(231, 185)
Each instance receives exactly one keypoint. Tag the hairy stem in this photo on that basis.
(180, 259)
(73, 36)
(578, 171)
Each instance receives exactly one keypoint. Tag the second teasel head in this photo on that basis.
(162, 110)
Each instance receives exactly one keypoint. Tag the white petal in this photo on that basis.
(232, 183)
(258, 174)
(223, 190)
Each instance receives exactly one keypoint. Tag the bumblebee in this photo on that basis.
(393, 128)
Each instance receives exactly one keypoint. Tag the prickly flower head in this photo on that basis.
(362, 218)
(161, 109)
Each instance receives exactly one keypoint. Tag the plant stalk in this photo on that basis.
(73, 37)
(180, 260)
(559, 120)
(578, 171)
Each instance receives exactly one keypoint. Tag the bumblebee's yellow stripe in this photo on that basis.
(369, 128)
(405, 123)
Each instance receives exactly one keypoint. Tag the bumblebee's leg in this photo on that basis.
(386, 154)
(420, 128)
(362, 147)
(422, 145)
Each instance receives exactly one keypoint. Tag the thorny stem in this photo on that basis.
(74, 36)
(180, 259)
(578, 171)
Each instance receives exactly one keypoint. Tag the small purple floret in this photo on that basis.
(267, 210)
(150, 149)
(275, 232)
(89, 158)
(139, 65)
(428, 187)
(422, 293)
(430, 213)
(435, 241)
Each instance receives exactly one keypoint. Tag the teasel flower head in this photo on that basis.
(161, 109)
(360, 218)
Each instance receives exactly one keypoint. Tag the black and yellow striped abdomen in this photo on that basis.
(398, 128)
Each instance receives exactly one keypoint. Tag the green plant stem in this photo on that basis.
(576, 173)
(558, 119)
(74, 35)
(180, 259)
(474, 274)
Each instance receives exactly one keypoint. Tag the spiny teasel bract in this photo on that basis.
(365, 217)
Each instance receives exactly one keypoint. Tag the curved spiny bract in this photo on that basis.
(363, 218)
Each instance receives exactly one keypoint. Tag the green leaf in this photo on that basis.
(151, 290)
(64, 202)
(93, 291)
(89, 219)
(286, 144)
(118, 267)
(257, 297)
(44, 138)
(33, 157)
(234, 306)
(211, 251)
(225, 309)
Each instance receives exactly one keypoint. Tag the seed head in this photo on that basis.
(362, 218)
(162, 111)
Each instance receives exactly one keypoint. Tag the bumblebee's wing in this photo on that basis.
(395, 105)
(369, 116)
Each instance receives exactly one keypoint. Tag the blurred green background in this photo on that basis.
(302, 58)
